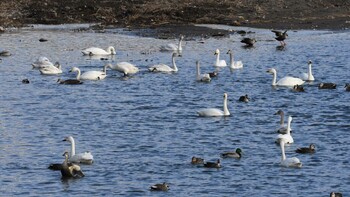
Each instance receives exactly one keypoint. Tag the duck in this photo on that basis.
(288, 139)
(160, 187)
(285, 81)
(236, 154)
(213, 74)
(249, 42)
(165, 68)
(197, 160)
(233, 64)
(124, 67)
(69, 81)
(85, 158)
(310, 149)
(213, 164)
(298, 88)
(218, 62)
(347, 87)
(281, 36)
(282, 129)
(336, 194)
(214, 112)
(51, 69)
(173, 47)
(42, 62)
(327, 86)
(98, 51)
(90, 75)
(244, 98)
(70, 170)
(25, 81)
(5, 53)
(201, 77)
(308, 76)
(292, 162)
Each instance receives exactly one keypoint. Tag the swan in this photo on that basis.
(287, 138)
(216, 164)
(209, 112)
(85, 157)
(308, 76)
(70, 170)
(311, 149)
(164, 67)
(173, 47)
(282, 129)
(289, 162)
(51, 69)
(160, 187)
(233, 64)
(124, 67)
(201, 77)
(98, 51)
(42, 62)
(236, 154)
(90, 75)
(218, 62)
(285, 81)
(197, 160)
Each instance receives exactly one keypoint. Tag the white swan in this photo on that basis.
(287, 138)
(42, 62)
(218, 62)
(85, 157)
(233, 64)
(51, 69)
(173, 47)
(308, 76)
(281, 129)
(209, 112)
(164, 67)
(124, 67)
(285, 81)
(90, 75)
(98, 51)
(201, 77)
(289, 162)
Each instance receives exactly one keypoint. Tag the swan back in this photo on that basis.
(201, 77)
(234, 64)
(285, 81)
(212, 112)
(218, 62)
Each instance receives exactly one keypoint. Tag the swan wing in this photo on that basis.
(290, 81)
(94, 51)
(221, 63)
(160, 68)
(93, 75)
(210, 112)
(304, 76)
(50, 69)
(85, 157)
(237, 65)
(204, 78)
(169, 47)
(291, 162)
(288, 139)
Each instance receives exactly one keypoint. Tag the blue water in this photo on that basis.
(144, 129)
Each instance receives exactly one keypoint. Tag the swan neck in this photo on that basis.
(274, 78)
(288, 128)
(105, 69)
(217, 58)
(72, 148)
(78, 75)
(174, 64)
(310, 72)
(226, 112)
(282, 120)
(198, 71)
(231, 60)
(283, 152)
(179, 45)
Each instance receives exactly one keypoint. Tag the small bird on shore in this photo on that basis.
(327, 86)
(160, 187)
(281, 36)
(298, 88)
(213, 164)
(244, 98)
(197, 160)
(305, 150)
(249, 42)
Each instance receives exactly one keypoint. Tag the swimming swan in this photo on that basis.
(42, 62)
(201, 77)
(218, 62)
(124, 67)
(98, 51)
(285, 81)
(233, 64)
(215, 112)
(90, 75)
(164, 67)
(70, 170)
(289, 162)
(85, 157)
(308, 76)
(51, 69)
(287, 138)
(173, 47)
(282, 129)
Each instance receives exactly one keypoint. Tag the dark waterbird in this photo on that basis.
(25, 81)
(347, 87)
(55, 166)
(298, 88)
(281, 36)
(305, 150)
(213, 164)
(244, 98)
(70, 170)
(69, 81)
(160, 187)
(197, 160)
(327, 86)
(335, 194)
(236, 154)
(249, 42)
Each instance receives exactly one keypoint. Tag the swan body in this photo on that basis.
(201, 77)
(98, 51)
(42, 62)
(165, 68)
(287, 138)
(70, 170)
(289, 162)
(85, 157)
(308, 76)
(285, 81)
(212, 112)
(90, 75)
(218, 62)
(124, 67)
(51, 69)
(173, 47)
(234, 64)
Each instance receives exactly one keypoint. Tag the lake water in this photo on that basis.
(144, 129)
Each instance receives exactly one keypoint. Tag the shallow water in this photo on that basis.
(144, 129)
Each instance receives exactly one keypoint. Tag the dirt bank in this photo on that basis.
(278, 14)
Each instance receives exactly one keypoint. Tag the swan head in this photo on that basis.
(181, 37)
(290, 118)
(217, 52)
(69, 139)
(279, 112)
(229, 52)
(271, 71)
(111, 50)
(66, 154)
(74, 69)
(225, 95)
(309, 62)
